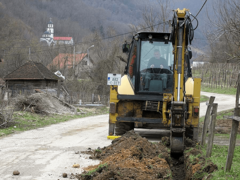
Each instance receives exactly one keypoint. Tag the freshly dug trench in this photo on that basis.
(192, 165)
(134, 157)
(196, 165)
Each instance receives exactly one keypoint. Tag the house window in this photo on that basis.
(84, 63)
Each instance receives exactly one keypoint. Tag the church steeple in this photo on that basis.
(50, 28)
(48, 35)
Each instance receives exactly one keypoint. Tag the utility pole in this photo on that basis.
(3, 54)
(88, 53)
(74, 57)
(29, 53)
(5, 64)
(169, 26)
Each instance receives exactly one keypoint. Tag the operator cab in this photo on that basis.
(150, 63)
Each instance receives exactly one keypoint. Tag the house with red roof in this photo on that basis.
(65, 61)
(63, 40)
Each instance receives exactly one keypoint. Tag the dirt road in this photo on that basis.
(225, 102)
(46, 153)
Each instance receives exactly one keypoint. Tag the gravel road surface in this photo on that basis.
(224, 101)
(46, 153)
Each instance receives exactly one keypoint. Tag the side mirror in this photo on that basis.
(125, 48)
(125, 70)
(189, 53)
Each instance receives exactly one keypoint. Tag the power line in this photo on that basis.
(82, 42)
(110, 37)
(201, 8)
(57, 48)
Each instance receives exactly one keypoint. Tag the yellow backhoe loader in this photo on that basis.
(157, 89)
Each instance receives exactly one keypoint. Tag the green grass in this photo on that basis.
(26, 121)
(219, 157)
(226, 135)
(204, 98)
(219, 90)
(225, 113)
(201, 119)
(220, 115)
(160, 156)
(94, 170)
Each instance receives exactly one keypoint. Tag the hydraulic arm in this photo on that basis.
(182, 35)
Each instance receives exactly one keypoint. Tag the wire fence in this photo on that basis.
(217, 75)
(82, 98)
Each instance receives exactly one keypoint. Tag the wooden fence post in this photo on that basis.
(93, 99)
(206, 120)
(211, 130)
(234, 131)
(58, 88)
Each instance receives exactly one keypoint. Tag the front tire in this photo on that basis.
(123, 127)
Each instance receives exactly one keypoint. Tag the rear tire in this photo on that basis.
(189, 133)
(122, 127)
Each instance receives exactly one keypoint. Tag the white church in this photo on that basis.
(50, 39)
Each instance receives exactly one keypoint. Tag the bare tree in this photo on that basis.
(224, 37)
(155, 18)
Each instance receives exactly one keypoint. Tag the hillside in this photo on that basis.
(81, 16)
(26, 20)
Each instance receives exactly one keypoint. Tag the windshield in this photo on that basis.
(156, 61)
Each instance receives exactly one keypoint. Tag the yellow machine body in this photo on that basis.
(132, 109)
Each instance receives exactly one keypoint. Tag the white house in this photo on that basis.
(197, 63)
(48, 36)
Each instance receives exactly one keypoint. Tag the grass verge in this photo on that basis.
(204, 98)
(219, 115)
(27, 121)
(226, 135)
(219, 157)
(219, 90)
(99, 168)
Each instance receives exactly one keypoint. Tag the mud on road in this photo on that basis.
(134, 157)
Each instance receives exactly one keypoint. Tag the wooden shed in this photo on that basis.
(30, 76)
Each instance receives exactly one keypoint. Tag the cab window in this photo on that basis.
(156, 61)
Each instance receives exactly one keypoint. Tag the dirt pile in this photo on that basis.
(134, 157)
(196, 165)
(42, 103)
(224, 126)
(130, 157)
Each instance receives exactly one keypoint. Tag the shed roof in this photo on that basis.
(31, 71)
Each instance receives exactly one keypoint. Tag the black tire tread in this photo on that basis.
(123, 127)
